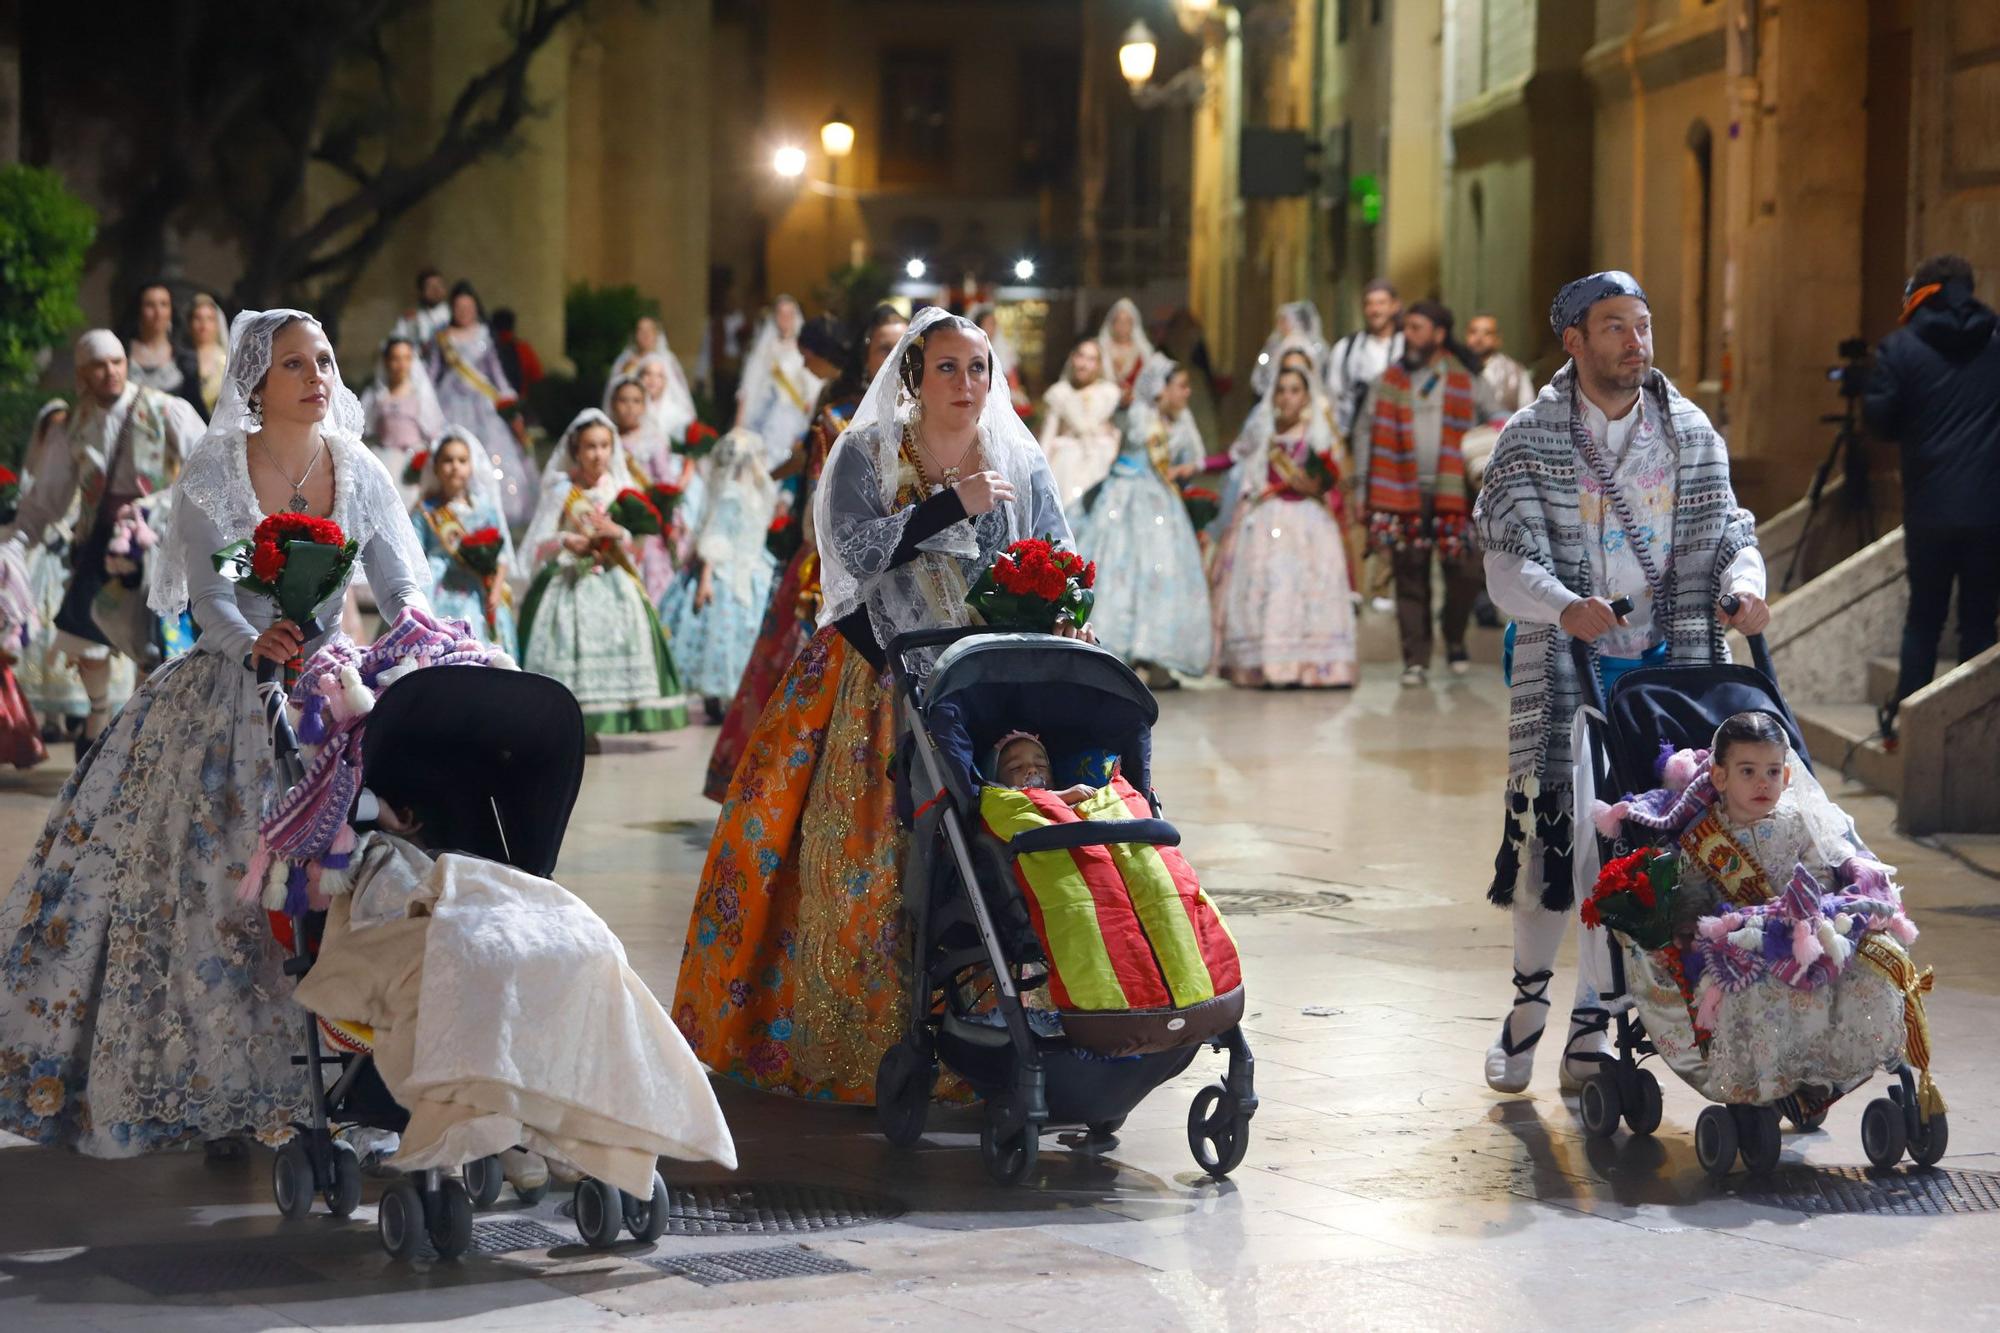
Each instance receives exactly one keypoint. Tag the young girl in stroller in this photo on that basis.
(1766, 951)
(500, 1010)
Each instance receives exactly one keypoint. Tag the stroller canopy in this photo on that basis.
(1079, 698)
(493, 759)
(1682, 706)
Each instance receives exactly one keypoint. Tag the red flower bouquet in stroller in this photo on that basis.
(1032, 585)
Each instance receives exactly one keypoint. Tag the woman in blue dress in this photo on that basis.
(716, 605)
(456, 499)
(1152, 593)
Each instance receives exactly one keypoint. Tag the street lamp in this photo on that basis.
(836, 136)
(1137, 54)
(789, 162)
(915, 269)
(1024, 269)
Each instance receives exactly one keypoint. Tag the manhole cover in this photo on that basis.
(506, 1237)
(759, 1208)
(712, 1270)
(1853, 1189)
(204, 1272)
(1270, 901)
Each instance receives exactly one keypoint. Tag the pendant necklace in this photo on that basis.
(297, 504)
(950, 474)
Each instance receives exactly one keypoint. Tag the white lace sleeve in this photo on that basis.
(215, 481)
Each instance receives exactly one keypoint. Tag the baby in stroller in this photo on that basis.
(495, 1008)
(1021, 763)
(1765, 947)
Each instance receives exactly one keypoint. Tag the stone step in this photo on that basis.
(1882, 673)
(1834, 733)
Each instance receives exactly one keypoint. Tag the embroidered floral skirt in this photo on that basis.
(592, 628)
(141, 1006)
(794, 975)
(1282, 611)
(780, 640)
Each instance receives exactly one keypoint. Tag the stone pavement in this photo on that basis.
(1349, 838)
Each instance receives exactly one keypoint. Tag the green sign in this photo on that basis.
(1365, 194)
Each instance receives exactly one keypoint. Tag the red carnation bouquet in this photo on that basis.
(666, 498)
(413, 471)
(1634, 896)
(1202, 505)
(698, 443)
(1033, 584)
(632, 511)
(10, 494)
(296, 560)
(1322, 470)
(481, 549)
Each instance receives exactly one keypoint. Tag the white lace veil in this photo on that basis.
(1139, 338)
(848, 539)
(556, 481)
(483, 488)
(733, 543)
(430, 413)
(673, 411)
(215, 477)
(765, 351)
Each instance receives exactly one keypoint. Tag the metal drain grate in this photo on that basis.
(772, 1207)
(1272, 901)
(1852, 1189)
(204, 1272)
(713, 1270)
(511, 1235)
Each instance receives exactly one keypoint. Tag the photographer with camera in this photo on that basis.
(1936, 392)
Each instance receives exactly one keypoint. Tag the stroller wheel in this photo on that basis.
(451, 1224)
(1643, 1115)
(1930, 1140)
(1600, 1103)
(483, 1179)
(533, 1194)
(400, 1220)
(1008, 1157)
(1884, 1135)
(1218, 1130)
(903, 1083)
(1106, 1129)
(1809, 1123)
(1759, 1137)
(344, 1195)
(292, 1180)
(646, 1219)
(600, 1213)
(1715, 1140)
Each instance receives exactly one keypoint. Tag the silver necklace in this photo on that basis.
(297, 504)
(950, 474)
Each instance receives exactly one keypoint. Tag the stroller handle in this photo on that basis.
(904, 644)
(1094, 833)
(284, 741)
(1593, 688)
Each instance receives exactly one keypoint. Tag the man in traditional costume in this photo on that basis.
(420, 323)
(1410, 463)
(1507, 380)
(122, 445)
(1610, 485)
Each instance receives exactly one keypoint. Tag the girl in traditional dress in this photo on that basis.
(1282, 611)
(142, 1005)
(775, 400)
(400, 411)
(587, 620)
(456, 499)
(669, 401)
(1123, 343)
(1152, 593)
(208, 336)
(712, 611)
(794, 604)
(651, 457)
(48, 678)
(1078, 435)
(794, 975)
(471, 390)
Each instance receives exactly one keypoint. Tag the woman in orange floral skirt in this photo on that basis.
(794, 978)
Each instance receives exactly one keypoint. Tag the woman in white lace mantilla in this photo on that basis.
(1078, 433)
(141, 1006)
(775, 400)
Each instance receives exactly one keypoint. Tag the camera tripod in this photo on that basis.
(1850, 451)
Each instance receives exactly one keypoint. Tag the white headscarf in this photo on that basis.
(1105, 342)
(215, 477)
(556, 480)
(876, 430)
(772, 349)
(737, 476)
(673, 411)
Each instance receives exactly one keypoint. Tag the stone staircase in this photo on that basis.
(1832, 644)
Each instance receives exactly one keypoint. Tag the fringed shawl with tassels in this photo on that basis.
(1528, 507)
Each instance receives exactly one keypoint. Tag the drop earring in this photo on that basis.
(256, 412)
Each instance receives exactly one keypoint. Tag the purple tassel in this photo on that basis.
(1660, 763)
(295, 890)
(312, 720)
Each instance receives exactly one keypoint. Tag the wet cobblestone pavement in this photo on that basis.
(1349, 838)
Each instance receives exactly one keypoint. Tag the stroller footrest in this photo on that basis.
(1094, 833)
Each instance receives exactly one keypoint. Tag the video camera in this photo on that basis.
(1852, 372)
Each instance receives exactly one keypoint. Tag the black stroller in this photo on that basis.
(503, 793)
(974, 951)
(1681, 706)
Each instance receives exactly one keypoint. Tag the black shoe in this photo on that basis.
(1885, 726)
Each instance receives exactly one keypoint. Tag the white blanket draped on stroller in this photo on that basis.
(505, 1014)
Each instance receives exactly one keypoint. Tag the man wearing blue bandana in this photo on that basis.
(1609, 485)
